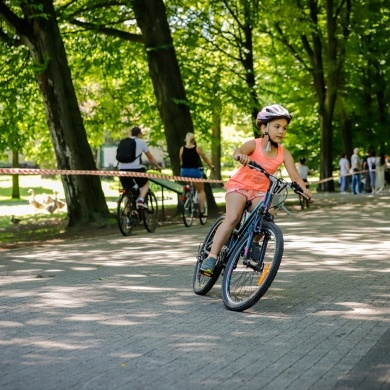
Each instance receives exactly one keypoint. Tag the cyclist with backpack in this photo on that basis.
(129, 154)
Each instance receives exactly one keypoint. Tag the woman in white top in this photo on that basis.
(344, 170)
(372, 164)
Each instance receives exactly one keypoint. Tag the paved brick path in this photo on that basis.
(119, 313)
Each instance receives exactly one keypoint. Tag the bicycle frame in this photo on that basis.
(253, 222)
(129, 215)
(132, 194)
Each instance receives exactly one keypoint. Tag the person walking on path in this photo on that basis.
(356, 165)
(344, 170)
(191, 166)
(303, 170)
(380, 174)
(136, 166)
(246, 184)
(372, 163)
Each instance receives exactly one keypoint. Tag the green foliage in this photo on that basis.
(22, 121)
(113, 87)
(115, 92)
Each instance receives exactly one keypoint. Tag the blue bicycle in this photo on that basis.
(248, 272)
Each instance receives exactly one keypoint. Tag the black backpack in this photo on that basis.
(126, 150)
(373, 165)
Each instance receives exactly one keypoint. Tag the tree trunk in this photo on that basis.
(346, 124)
(215, 157)
(216, 149)
(15, 178)
(39, 32)
(165, 74)
(326, 166)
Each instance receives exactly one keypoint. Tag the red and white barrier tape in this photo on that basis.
(27, 171)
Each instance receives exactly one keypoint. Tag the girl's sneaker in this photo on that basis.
(207, 267)
(141, 204)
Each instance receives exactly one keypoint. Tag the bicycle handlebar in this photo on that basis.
(294, 185)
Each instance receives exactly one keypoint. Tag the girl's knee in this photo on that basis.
(232, 220)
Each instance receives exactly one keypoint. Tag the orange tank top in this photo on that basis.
(250, 179)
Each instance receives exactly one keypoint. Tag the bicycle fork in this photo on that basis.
(259, 265)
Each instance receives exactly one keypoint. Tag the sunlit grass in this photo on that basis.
(39, 224)
(46, 185)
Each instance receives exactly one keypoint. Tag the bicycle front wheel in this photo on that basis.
(246, 281)
(201, 283)
(124, 213)
(188, 211)
(150, 215)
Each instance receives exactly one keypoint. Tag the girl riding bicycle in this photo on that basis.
(247, 184)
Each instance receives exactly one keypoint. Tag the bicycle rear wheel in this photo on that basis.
(246, 281)
(203, 284)
(188, 211)
(125, 218)
(150, 215)
(203, 216)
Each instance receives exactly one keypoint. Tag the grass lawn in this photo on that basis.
(38, 225)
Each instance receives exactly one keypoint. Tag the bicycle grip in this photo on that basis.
(298, 190)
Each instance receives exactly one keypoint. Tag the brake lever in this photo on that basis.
(298, 190)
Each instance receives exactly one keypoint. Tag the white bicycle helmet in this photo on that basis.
(269, 113)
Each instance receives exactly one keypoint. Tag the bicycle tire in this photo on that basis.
(243, 286)
(188, 211)
(124, 211)
(203, 216)
(150, 215)
(201, 283)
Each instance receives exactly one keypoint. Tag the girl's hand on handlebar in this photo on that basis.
(307, 192)
(242, 159)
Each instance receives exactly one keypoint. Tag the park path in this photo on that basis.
(119, 312)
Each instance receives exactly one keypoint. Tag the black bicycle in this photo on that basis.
(129, 216)
(248, 270)
(191, 206)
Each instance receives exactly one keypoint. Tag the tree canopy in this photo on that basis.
(199, 66)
